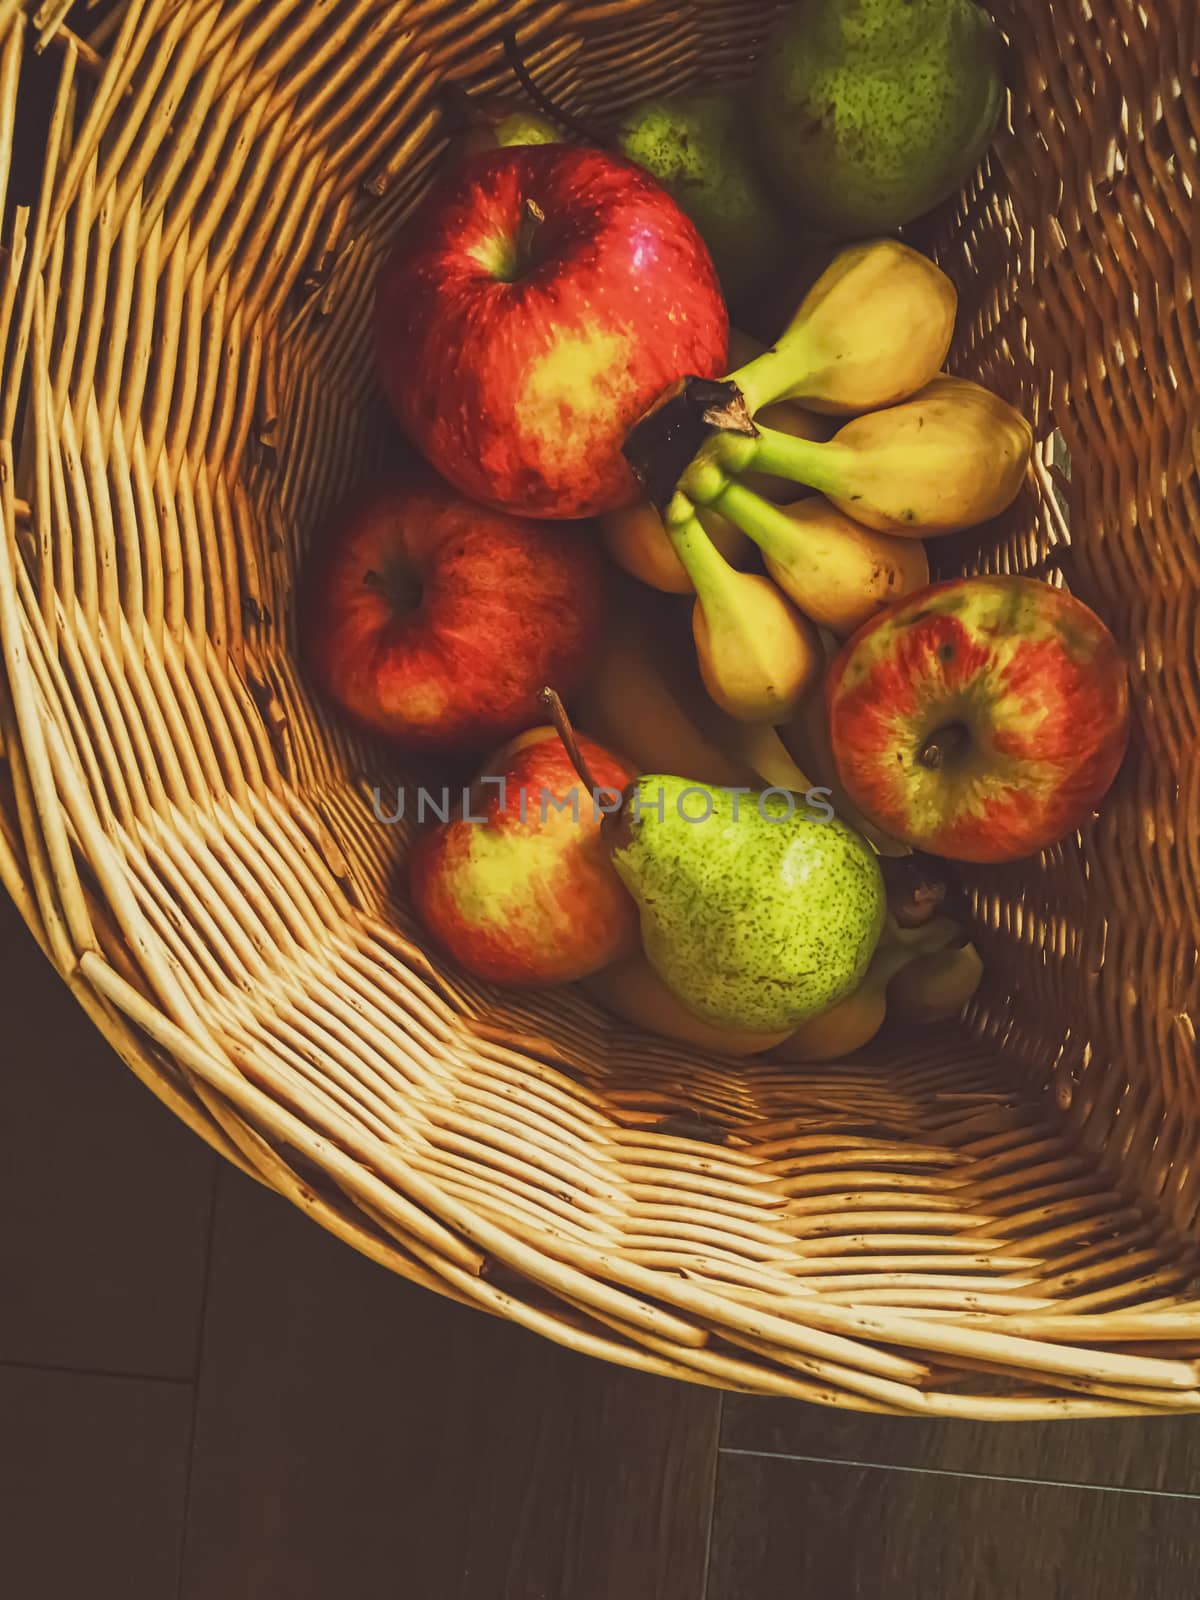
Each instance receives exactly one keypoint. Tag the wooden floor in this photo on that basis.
(203, 1397)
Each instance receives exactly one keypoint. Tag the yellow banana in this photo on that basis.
(759, 656)
(855, 1021)
(633, 991)
(935, 988)
(873, 329)
(631, 705)
(637, 541)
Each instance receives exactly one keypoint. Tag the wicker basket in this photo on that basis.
(1000, 1221)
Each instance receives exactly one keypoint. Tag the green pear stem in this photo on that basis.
(562, 726)
(801, 460)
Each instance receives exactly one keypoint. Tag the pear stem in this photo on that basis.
(562, 726)
(800, 460)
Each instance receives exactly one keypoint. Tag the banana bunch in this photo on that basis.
(920, 975)
(815, 519)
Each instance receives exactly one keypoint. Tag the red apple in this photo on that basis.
(435, 622)
(517, 889)
(982, 719)
(539, 303)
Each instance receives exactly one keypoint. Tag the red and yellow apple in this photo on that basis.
(434, 622)
(982, 719)
(541, 300)
(519, 886)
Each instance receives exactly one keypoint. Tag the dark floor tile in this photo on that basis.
(104, 1195)
(355, 1434)
(1127, 1453)
(814, 1531)
(92, 1474)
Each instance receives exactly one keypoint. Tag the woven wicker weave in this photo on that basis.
(1001, 1223)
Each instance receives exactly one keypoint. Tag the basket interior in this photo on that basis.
(188, 390)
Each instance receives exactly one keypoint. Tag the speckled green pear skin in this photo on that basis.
(756, 911)
(869, 113)
(699, 147)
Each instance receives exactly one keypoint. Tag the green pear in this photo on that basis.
(869, 113)
(492, 123)
(758, 909)
(697, 147)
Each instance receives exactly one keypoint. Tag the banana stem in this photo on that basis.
(774, 375)
(888, 960)
(772, 530)
(702, 561)
(801, 460)
(926, 940)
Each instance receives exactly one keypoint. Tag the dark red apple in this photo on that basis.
(519, 886)
(434, 621)
(541, 300)
(982, 719)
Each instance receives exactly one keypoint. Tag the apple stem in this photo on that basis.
(532, 218)
(556, 113)
(562, 726)
(942, 746)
